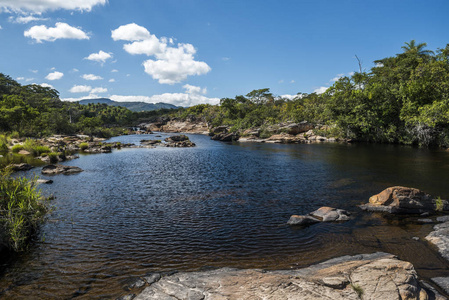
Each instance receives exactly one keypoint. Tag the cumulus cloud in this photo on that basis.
(336, 78)
(26, 19)
(171, 64)
(50, 34)
(91, 77)
(114, 71)
(193, 95)
(54, 75)
(289, 97)
(320, 90)
(40, 6)
(46, 85)
(99, 90)
(112, 80)
(100, 57)
(80, 89)
(20, 78)
(34, 71)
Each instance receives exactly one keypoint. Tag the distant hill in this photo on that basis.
(133, 106)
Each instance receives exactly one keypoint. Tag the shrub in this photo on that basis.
(4, 142)
(16, 148)
(439, 204)
(35, 148)
(22, 210)
(84, 146)
(53, 157)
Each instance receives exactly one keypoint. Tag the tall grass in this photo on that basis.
(22, 209)
(35, 148)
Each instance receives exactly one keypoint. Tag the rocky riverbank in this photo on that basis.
(283, 133)
(367, 276)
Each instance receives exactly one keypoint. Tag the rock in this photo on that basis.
(152, 278)
(375, 276)
(297, 128)
(330, 214)
(443, 219)
(150, 142)
(302, 220)
(60, 169)
(442, 282)
(404, 200)
(24, 152)
(283, 138)
(440, 238)
(226, 137)
(220, 129)
(127, 297)
(45, 181)
(425, 221)
(21, 167)
(177, 138)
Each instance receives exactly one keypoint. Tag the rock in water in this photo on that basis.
(60, 169)
(404, 200)
(330, 214)
(21, 167)
(371, 276)
(302, 220)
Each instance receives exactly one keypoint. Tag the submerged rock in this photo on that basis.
(404, 200)
(60, 169)
(375, 276)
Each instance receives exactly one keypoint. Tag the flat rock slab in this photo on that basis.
(371, 276)
(60, 169)
(440, 238)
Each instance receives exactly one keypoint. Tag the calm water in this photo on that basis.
(136, 211)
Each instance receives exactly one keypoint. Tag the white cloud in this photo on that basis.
(34, 71)
(172, 64)
(192, 96)
(60, 31)
(75, 70)
(351, 73)
(225, 58)
(26, 19)
(20, 78)
(91, 77)
(112, 80)
(29, 79)
(114, 71)
(1, 27)
(80, 89)
(292, 81)
(40, 6)
(100, 57)
(320, 90)
(54, 76)
(336, 78)
(99, 90)
(46, 85)
(289, 97)
(130, 32)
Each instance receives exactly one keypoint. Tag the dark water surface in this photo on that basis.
(136, 211)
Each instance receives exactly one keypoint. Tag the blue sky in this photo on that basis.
(187, 52)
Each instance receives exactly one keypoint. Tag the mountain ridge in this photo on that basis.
(133, 106)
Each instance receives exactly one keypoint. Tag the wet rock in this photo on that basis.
(442, 282)
(177, 138)
(150, 142)
(443, 219)
(60, 169)
(425, 221)
(179, 141)
(302, 220)
(127, 297)
(152, 278)
(376, 276)
(44, 181)
(404, 200)
(330, 214)
(440, 238)
(21, 167)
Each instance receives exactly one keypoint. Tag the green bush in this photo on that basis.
(22, 210)
(83, 146)
(35, 148)
(16, 148)
(54, 157)
(4, 142)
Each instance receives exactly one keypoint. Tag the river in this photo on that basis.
(142, 210)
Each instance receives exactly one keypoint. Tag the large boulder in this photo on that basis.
(60, 169)
(405, 200)
(367, 276)
(177, 138)
(297, 128)
(226, 137)
(21, 167)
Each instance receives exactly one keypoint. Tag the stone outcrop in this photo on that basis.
(179, 141)
(226, 137)
(44, 181)
(404, 200)
(323, 214)
(369, 276)
(174, 125)
(60, 169)
(440, 238)
(21, 167)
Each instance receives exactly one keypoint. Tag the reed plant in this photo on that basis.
(22, 210)
(16, 148)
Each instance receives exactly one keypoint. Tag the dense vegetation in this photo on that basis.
(403, 99)
(22, 209)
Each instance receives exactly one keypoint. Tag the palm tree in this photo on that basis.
(417, 49)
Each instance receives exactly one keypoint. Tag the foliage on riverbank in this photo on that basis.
(22, 210)
(403, 99)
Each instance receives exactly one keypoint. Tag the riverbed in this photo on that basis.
(139, 210)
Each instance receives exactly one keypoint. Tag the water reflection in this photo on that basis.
(141, 210)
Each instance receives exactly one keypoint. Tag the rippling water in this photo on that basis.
(140, 210)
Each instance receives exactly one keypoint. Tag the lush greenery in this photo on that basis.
(22, 209)
(403, 99)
